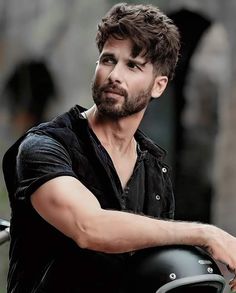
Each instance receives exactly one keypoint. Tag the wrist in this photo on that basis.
(191, 233)
(207, 236)
(185, 233)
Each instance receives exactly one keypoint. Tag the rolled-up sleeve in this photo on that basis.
(40, 158)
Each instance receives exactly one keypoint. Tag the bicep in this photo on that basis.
(67, 204)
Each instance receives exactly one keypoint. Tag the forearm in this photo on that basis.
(72, 209)
(116, 232)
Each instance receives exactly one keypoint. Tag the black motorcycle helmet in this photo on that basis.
(172, 269)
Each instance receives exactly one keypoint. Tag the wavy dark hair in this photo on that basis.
(154, 35)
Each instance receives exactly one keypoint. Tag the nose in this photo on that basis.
(116, 74)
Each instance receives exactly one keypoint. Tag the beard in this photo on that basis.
(110, 107)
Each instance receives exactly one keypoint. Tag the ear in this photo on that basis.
(159, 86)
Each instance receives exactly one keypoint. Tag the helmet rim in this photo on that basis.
(193, 280)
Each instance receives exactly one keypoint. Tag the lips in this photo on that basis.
(111, 91)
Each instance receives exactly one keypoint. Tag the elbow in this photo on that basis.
(90, 236)
(83, 236)
(82, 241)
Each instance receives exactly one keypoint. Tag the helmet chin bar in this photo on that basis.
(216, 282)
(172, 269)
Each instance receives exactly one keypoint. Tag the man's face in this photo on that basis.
(122, 84)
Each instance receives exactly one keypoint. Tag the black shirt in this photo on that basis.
(42, 158)
(42, 259)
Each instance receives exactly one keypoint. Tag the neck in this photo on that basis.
(117, 135)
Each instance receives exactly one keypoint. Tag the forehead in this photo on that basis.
(122, 47)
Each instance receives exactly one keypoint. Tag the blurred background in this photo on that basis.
(47, 61)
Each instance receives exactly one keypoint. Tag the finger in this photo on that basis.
(232, 284)
(233, 288)
(232, 270)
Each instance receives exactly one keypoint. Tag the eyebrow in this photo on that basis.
(107, 55)
(140, 63)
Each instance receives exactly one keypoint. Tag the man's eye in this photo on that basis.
(107, 60)
(133, 65)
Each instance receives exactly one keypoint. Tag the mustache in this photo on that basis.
(113, 88)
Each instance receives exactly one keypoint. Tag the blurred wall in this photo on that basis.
(224, 174)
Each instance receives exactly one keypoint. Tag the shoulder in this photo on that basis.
(66, 128)
(34, 141)
(55, 139)
(39, 148)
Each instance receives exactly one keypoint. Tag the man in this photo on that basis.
(81, 185)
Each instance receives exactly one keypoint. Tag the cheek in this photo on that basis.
(138, 85)
(101, 75)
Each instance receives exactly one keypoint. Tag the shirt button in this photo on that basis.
(164, 170)
(158, 197)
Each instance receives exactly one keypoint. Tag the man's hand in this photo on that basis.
(222, 247)
(232, 284)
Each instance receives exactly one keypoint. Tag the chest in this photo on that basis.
(124, 167)
(139, 185)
